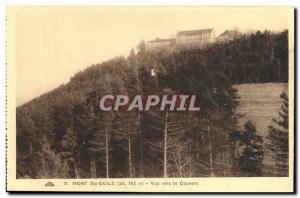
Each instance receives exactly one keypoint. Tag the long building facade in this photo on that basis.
(228, 35)
(195, 38)
(160, 43)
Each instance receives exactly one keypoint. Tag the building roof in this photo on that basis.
(193, 32)
(230, 32)
(160, 40)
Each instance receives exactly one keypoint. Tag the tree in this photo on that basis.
(278, 137)
(252, 156)
(26, 142)
(168, 143)
(50, 164)
(142, 46)
(69, 151)
(126, 128)
(234, 139)
(83, 127)
(133, 87)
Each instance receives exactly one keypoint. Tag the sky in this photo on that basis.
(54, 43)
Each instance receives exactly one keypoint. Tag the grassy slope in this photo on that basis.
(260, 103)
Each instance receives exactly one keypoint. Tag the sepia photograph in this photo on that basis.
(148, 99)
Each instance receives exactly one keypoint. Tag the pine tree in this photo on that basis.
(83, 126)
(69, 152)
(126, 128)
(278, 137)
(252, 156)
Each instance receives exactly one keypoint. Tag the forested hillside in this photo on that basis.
(63, 133)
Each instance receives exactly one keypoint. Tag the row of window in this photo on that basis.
(193, 40)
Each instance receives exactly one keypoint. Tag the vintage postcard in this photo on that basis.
(150, 99)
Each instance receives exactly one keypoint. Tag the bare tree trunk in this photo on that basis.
(106, 154)
(244, 73)
(165, 146)
(30, 149)
(140, 130)
(235, 158)
(141, 147)
(190, 167)
(279, 72)
(129, 157)
(223, 162)
(179, 162)
(75, 171)
(93, 165)
(223, 153)
(210, 154)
